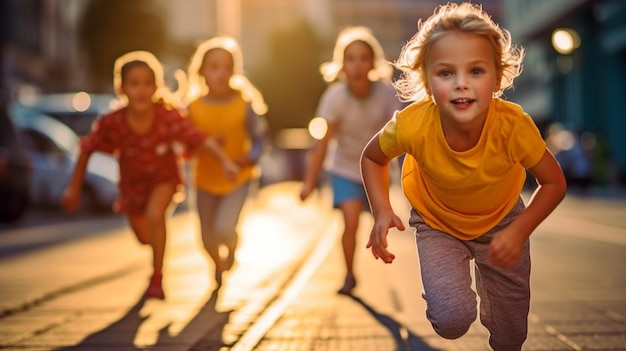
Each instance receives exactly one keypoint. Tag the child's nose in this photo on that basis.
(461, 82)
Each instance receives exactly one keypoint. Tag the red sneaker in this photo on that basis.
(155, 289)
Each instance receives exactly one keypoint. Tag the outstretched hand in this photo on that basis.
(231, 170)
(305, 191)
(378, 237)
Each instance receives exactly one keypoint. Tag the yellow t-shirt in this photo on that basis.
(226, 121)
(463, 193)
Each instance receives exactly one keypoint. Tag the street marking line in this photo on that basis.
(554, 332)
(322, 249)
(614, 316)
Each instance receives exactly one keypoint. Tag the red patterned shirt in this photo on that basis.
(147, 159)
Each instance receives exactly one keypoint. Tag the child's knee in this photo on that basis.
(139, 227)
(453, 323)
(155, 218)
(508, 345)
(143, 239)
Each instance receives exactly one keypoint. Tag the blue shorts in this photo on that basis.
(345, 189)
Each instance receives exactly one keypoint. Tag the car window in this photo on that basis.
(80, 122)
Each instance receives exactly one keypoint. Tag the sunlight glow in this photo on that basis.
(565, 40)
(276, 228)
(81, 101)
(293, 138)
(318, 128)
(560, 139)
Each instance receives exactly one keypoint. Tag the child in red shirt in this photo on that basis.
(143, 136)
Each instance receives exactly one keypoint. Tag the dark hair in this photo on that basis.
(132, 64)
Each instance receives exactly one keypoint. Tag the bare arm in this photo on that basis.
(505, 249)
(375, 173)
(71, 196)
(549, 194)
(316, 161)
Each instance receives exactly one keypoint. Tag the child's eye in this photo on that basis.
(476, 71)
(445, 74)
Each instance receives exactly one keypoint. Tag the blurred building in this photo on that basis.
(574, 71)
(38, 46)
(284, 41)
(392, 21)
(42, 43)
(70, 45)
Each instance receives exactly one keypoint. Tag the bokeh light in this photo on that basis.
(81, 101)
(565, 41)
(318, 127)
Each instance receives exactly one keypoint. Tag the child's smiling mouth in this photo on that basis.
(462, 101)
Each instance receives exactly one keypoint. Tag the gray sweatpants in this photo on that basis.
(451, 303)
(219, 214)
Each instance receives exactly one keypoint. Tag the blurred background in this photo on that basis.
(57, 58)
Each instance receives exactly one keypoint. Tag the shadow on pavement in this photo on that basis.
(125, 333)
(405, 340)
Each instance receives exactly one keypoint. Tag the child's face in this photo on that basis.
(217, 69)
(358, 61)
(139, 86)
(462, 76)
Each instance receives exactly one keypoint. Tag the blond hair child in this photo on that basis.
(467, 152)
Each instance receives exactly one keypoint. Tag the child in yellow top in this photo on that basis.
(466, 155)
(223, 104)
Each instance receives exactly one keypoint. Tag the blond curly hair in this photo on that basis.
(466, 18)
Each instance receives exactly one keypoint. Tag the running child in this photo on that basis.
(467, 152)
(358, 102)
(143, 135)
(223, 103)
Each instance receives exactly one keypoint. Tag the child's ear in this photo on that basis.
(496, 88)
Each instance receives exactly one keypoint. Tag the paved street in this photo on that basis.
(84, 292)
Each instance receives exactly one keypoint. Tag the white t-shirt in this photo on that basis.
(357, 121)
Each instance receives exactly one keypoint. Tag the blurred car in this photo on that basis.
(77, 110)
(15, 171)
(53, 149)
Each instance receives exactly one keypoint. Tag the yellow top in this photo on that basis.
(226, 121)
(463, 193)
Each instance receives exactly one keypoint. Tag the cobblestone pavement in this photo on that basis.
(87, 294)
(574, 306)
